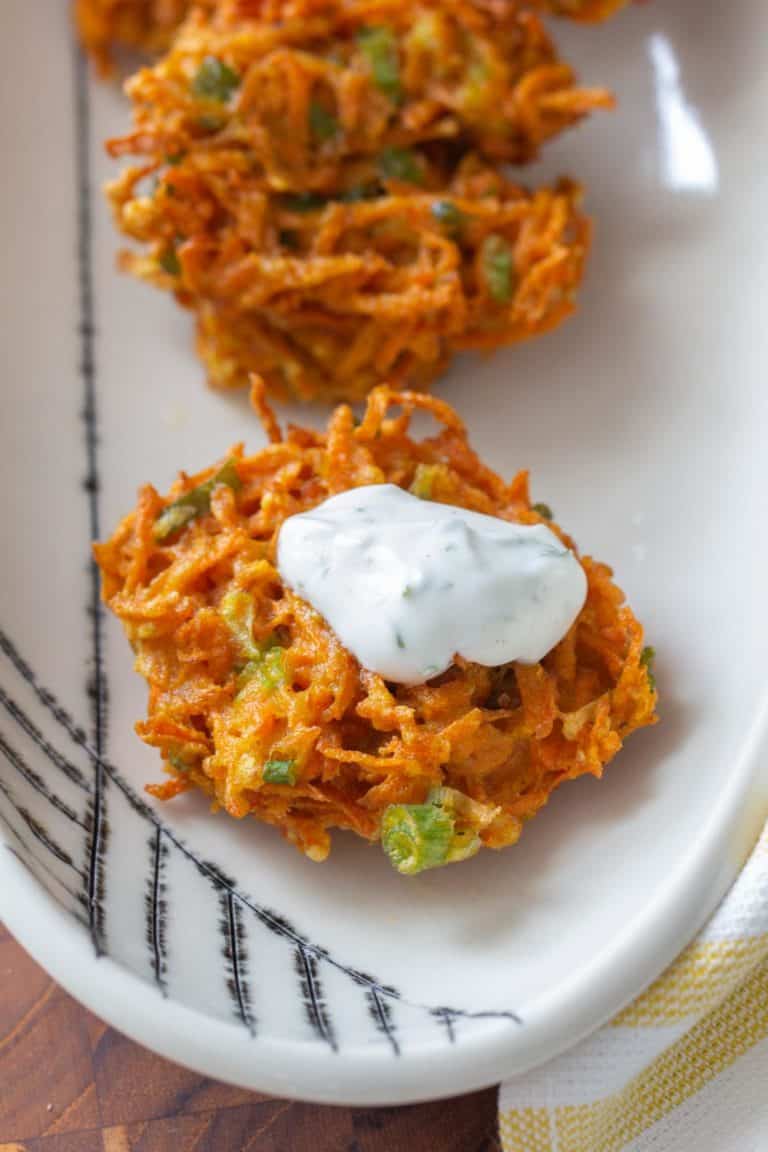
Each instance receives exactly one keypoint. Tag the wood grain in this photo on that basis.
(68, 1083)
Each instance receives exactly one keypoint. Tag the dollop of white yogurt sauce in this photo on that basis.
(406, 583)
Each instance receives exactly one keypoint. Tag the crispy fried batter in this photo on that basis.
(505, 737)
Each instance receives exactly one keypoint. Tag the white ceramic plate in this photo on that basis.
(645, 422)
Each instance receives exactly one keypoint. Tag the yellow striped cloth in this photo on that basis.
(683, 1069)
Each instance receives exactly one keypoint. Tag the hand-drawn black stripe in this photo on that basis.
(271, 920)
(29, 859)
(97, 688)
(38, 831)
(447, 1017)
(235, 954)
(43, 865)
(314, 999)
(70, 770)
(382, 1017)
(75, 732)
(46, 698)
(10, 650)
(157, 910)
(19, 763)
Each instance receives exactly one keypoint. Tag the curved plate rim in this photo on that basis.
(360, 1076)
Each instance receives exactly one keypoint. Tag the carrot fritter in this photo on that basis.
(323, 299)
(253, 699)
(321, 182)
(297, 87)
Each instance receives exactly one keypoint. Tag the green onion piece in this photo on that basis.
(474, 95)
(426, 33)
(464, 845)
(450, 218)
(497, 268)
(237, 609)
(543, 510)
(245, 673)
(215, 80)
(175, 760)
(416, 836)
(305, 202)
(472, 812)
(174, 517)
(169, 262)
(196, 502)
(379, 46)
(400, 164)
(322, 124)
(263, 662)
(423, 481)
(267, 667)
(175, 159)
(272, 670)
(279, 772)
(647, 657)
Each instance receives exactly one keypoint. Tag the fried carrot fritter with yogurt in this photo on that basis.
(254, 700)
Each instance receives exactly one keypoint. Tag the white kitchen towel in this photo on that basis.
(684, 1068)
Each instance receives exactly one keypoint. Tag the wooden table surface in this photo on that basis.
(68, 1083)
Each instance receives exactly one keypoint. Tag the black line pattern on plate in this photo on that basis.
(70, 770)
(314, 997)
(97, 685)
(156, 909)
(447, 1017)
(271, 920)
(17, 761)
(75, 732)
(382, 1017)
(236, 956)
(38, 831)
(32, 861)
